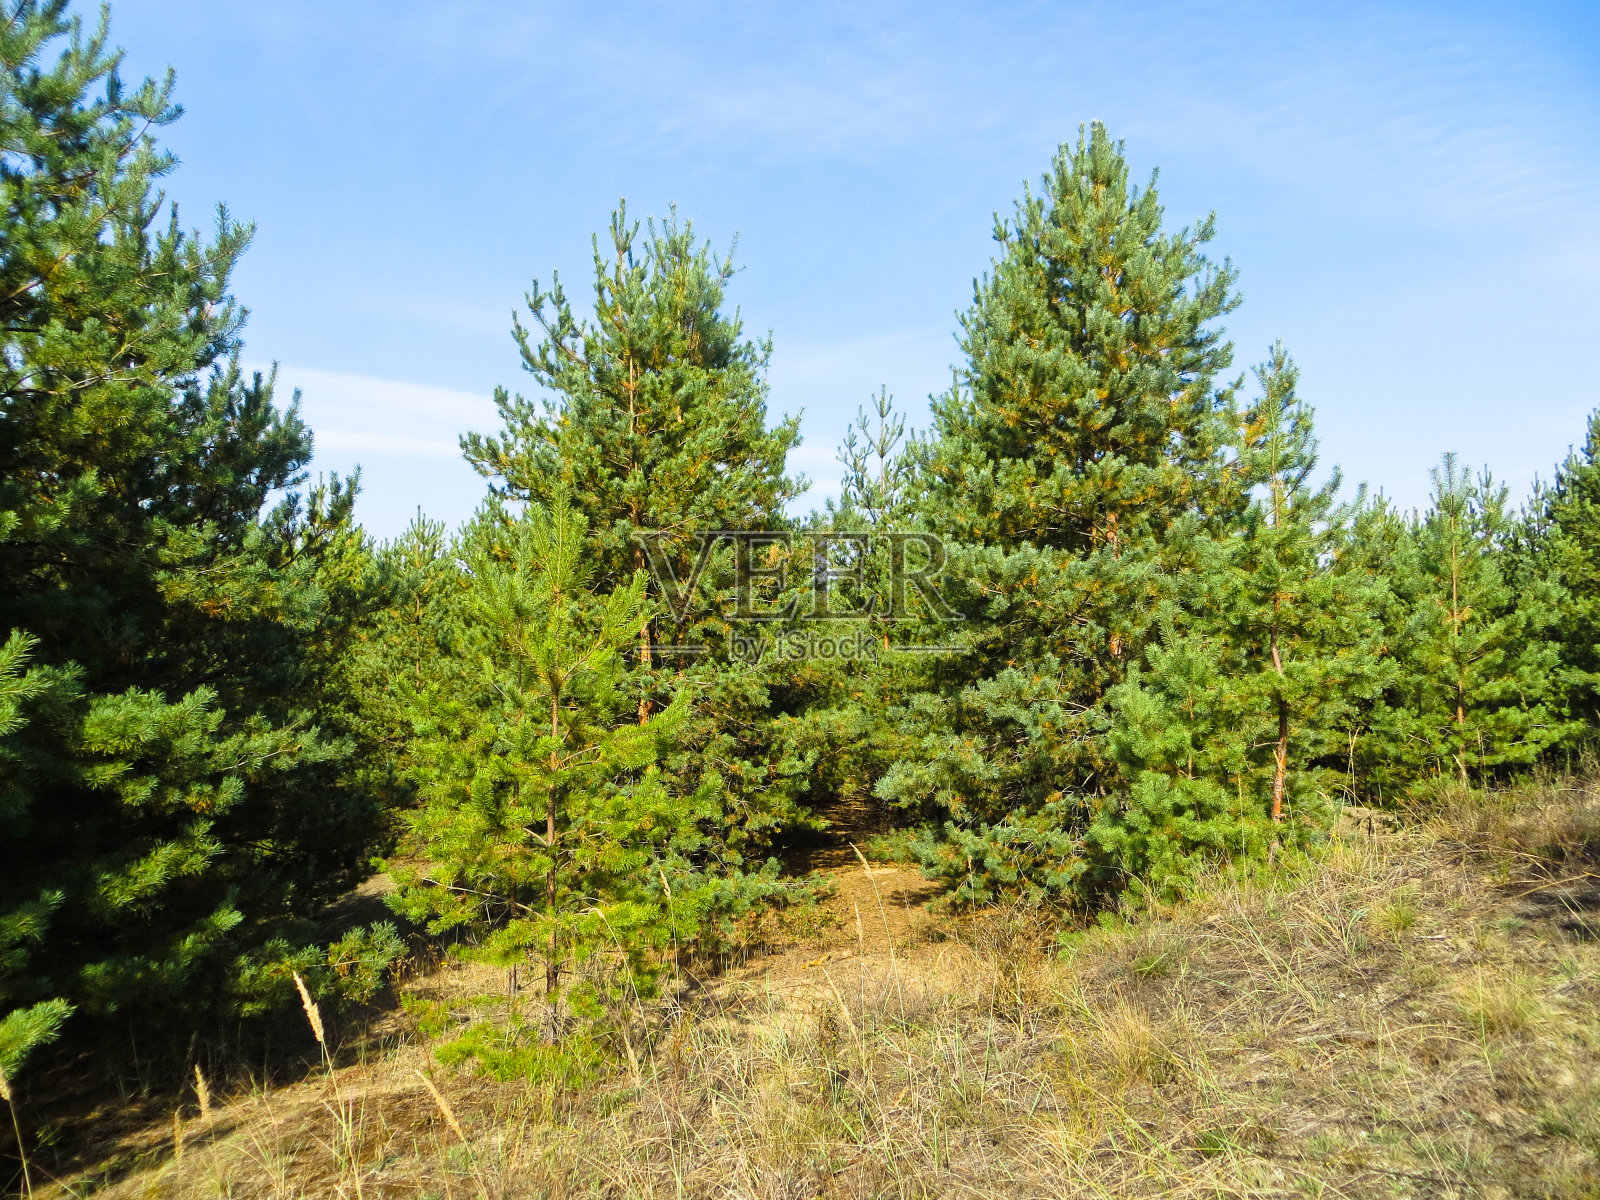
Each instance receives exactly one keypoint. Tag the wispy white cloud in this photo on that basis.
(394, 415)
(346, 442)
(1399, 116)
(402, 435)
(1422, 115)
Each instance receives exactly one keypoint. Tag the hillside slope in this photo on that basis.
(1411, 1012)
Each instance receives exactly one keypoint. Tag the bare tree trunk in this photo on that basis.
(552, 973)
(646, 649)
(645, 659)
(1455, 652)
(1280, 770)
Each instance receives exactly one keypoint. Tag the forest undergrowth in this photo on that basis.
(1408, 1010)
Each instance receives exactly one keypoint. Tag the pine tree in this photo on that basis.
(545, 829)
(1086, 418)
(657, 419)
(1563, 551)
(1477, 667)
(1072, 464)
(1265, 652)
(655, 426)
(1305, 622)
(182, 789)
(874, 508)
(877, 467)
(399, 651)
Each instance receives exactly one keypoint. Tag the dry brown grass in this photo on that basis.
(1534, 828)
(1399, 1016)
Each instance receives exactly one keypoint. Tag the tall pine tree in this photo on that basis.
(655, 424)
(180, 787)
(1077, 456)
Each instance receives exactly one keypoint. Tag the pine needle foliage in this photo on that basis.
(179, 787)
(1225, 735)
(1078, 455)
(656, 411)
(1478, 663)
(545, 830)
(1159, 637)
(1561, 549)
(22, 1030)
(654, 424)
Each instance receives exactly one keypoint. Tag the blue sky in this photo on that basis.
(1411, 193)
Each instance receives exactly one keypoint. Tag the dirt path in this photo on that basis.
(872, 911)
(853, 821)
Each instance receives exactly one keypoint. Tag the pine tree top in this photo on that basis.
(656, 409)
(1089, 392)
